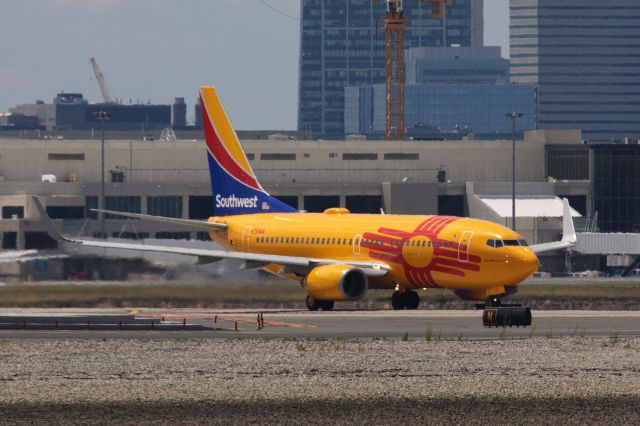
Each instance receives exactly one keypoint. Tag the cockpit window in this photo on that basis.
(506, 243)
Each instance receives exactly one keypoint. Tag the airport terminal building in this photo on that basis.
(450, 178)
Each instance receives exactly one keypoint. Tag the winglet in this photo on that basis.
(51, 228)
(568, 231)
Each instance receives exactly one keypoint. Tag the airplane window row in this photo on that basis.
(506, 243)
(344, 241)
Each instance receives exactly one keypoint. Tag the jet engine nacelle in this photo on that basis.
(336, 282)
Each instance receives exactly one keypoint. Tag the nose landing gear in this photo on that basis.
(407, 299)
(497, 314)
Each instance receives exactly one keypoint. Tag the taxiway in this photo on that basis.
(227, 323)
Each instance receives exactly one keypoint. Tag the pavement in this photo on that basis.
(232, 323)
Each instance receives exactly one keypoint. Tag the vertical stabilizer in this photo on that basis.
(235, 188)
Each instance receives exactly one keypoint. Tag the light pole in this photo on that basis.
(102, 116)
(513, 116)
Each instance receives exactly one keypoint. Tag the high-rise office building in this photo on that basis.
(583, 55)
(342, 44)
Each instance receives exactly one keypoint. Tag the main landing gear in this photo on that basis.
(314, 305)
(407, 299)
(497, 314)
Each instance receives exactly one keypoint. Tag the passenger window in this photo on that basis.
(351, 242)
(322, 241)
(333, 241)
(287, 240)
(344, 242)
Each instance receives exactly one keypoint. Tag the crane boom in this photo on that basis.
(394, 28)
(101, 81)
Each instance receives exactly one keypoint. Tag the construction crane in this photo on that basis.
(394, 29)
(101, 82)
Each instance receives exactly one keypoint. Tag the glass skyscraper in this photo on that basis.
(450, 89)
(585, 58)
(342, 44)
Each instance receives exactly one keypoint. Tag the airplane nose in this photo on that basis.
(524, 264)
(529, 262)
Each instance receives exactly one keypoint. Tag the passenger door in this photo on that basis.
(246, 237)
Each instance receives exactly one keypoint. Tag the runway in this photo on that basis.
(234, 323)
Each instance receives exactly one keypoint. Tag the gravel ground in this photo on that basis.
(242, 381)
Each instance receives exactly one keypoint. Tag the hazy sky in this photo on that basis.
(161, 49)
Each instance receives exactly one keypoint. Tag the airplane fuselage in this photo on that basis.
(420, 251)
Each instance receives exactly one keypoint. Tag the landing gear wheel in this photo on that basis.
(397, 301)
(326, 305)
(498, 314)
(411, 299)
(313, 304)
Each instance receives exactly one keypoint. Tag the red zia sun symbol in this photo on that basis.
(399, 247)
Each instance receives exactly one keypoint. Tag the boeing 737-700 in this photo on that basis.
(339, 256)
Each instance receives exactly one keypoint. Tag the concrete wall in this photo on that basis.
(316, 162)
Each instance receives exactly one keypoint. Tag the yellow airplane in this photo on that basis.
(339, 256)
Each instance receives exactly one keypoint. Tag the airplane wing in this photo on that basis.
(568, 233)
(297, 264)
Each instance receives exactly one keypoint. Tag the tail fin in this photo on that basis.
(235, 188)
